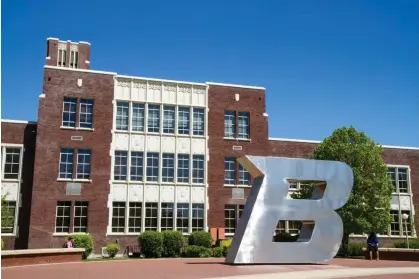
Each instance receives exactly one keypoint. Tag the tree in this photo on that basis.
(368, 207)
(6, 217)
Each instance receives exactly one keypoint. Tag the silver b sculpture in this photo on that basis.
(268, 202)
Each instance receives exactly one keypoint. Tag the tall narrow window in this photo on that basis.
(66, 163)
(153, 118)
(80, 216)
(244, 125)
(169, 120)
(152, 167)
(83, 164)
(395, 223)
(151, 210)
(230, 124)
(183, 121)
(166, 219)
(138, 117)
(122, 116)
(69, 112)
(74, 59)
(11, 163)
(10, 221)
(400, 179)
(168, 170)
(182, 218)
(86, 114)
(62, 56)
(229, 171)
(137, 159)
(183, 168)
(244, 176)
(198, 169)
(134, 223)
(230, 218)
(118, 217)
(198, 122)
(120, 166)
(197, 217)
(62, 219)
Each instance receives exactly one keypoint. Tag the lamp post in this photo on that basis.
(405, 217)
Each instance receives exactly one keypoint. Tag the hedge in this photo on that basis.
(151, 243)
(217, 252)
(355, 249)
(194, 251)
(83, 241)
(413, 243)
(200, 238)
(112, 249)
(172, 243)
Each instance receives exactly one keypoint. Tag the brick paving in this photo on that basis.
(183, 269)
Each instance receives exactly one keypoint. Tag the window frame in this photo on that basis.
(66, 163)
(82, 205)
(89, 164)
(89, 103)
(4, 148)
(13, 217)
(71, 101)
(237, 211)
(121, 173)
(66, 204)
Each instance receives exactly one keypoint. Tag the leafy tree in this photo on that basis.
(6, 217)
(368, 207)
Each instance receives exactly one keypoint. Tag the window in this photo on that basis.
(135, 213)
(291, 227)
(136, 166)
(118, 217)
(151, 209)
(11, 163)
(198, 122)
(395, 223)
(66, 163)
(244, 176)
(168, 171)
(168, 120)
(11, 207)
(232, 214)
(166, 219)
(399, 226)
(62, 56)
(229, 171)
(74, 58)
(197, 217)
(83, 164)
(183, 168)
(120, 167)
(399, 178)
(152, 166)
(153, 118)
(198, 169)
(62, 220)
(138, 117)
(182, 218)
(243, 125)
(86, 114)
(407, 224)
(183, 124)
(122, 116)
(69, 112)
(80, 217)
(230, 124)
(281, 227)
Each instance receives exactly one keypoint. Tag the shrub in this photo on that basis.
(285, 237)
(172, 243)
(83, 241)
(194, 251)
(217, 252)
(225, 244)
(2, 244)
(200, 238)
(355, 249)
(151, 243)
(413, 243)
(112, 249)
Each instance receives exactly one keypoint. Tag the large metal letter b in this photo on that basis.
(268, 203)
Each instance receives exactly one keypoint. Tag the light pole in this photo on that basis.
(405, 217)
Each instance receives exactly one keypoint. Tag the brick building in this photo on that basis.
(116, 155)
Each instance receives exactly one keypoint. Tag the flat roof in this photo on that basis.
(18, 121)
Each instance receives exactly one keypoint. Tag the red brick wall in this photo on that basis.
(20, 133)
(52, 53)
(47, 190)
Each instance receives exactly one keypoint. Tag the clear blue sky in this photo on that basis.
(325, 64)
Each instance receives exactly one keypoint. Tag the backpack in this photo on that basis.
(65, 245)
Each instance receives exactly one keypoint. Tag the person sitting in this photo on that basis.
(372, 242)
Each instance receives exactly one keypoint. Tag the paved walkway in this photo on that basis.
(213, 268)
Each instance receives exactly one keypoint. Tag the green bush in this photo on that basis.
(225, 244)
(83, 241)
(151, 243)
(172, 243)
(200, 238)
(112, 249)
(194, 251)
(285, 237)
(355, 249)
(217, 252)
(2, 244)
(413, 243)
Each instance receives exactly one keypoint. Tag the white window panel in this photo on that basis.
(122, 116)
(182, 217)
(137, 162)
(83, 163)
(151, 213)
(183, 120)
(86, 113)
(198, 122)
(135, 215)
(66, 163)
(244, 125)
(198, 165)
(138, 115)
(183, 168)
(168, 168)
(11, 162)
(69, 112)
(169, 119)
(62, 220)
(80, 216)
(152, 166)
(118, 217)
(197, 217)
(229, 171)
(166, 217)
(153, 118)
(120, 165)
(230, 124)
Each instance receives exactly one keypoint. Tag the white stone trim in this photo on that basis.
(83, 42)
(18, 121)
(53, 39)
(40, 251)
(235, 85)
(79, 70)
(162, 80)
